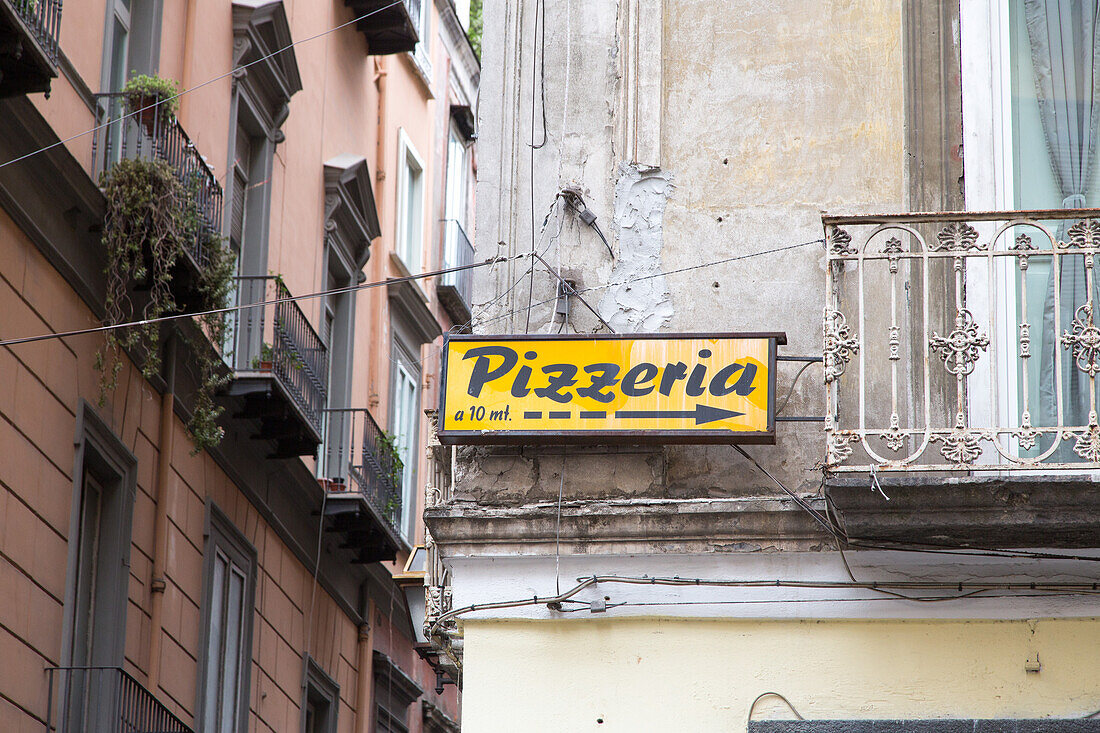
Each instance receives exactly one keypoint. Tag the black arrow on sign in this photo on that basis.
(701, 413)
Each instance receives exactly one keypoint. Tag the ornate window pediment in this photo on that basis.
(260, 28)
(351, 218)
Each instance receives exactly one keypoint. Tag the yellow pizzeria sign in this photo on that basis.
(713, 388)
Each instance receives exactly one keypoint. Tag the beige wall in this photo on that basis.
(664, 675)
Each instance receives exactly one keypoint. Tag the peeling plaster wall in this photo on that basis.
(638, 305)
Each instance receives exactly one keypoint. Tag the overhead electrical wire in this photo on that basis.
(234, 70)
(275, 301)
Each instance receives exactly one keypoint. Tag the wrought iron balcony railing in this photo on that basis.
(361, 458)
(29, 49)
(149, 135)
(278, 340)
(459, 253)
(43, 17)
(455, 289)
(962, 341)
(104, 699)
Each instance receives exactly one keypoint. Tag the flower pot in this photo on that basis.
(265, 366)
(148, 112)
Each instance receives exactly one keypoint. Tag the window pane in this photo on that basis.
(120, 41)
(214, 645)
(232, 661)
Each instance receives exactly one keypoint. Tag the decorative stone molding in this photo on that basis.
(260, 29)
(351, 217)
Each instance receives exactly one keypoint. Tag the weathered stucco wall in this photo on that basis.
(760, 116)
(660, 674)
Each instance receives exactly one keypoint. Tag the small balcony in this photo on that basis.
(104, 699)
(455, 289)
(280, 367)
(961, 355)
(392, 30)
(29, 48)
(122, 135)
(363, 479)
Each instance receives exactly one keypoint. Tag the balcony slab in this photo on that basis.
(1038, 510)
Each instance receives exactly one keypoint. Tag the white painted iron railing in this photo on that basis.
(934, 358)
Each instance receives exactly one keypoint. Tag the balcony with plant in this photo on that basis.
(164, 251)
(362, 474)
(280, 366)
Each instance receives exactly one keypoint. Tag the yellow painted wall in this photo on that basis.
(701, 675)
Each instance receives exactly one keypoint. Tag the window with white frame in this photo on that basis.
(455, 204)
(410, 204)
(404, 429)
(1031, 133)
(422, 54)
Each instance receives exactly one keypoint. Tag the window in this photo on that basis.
(258, 107)
(422, 55)
(394, 691)
(118, 44)
(404, 428)
(1032, 137)
(322, 700)
(98, 575)
(410, 205)
(227, 627)
(337, 329)
(455, 205)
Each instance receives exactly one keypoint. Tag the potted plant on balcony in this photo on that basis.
(266, 358)
(150, 219)
(152, 99)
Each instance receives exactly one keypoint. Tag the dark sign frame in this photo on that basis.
(613, 437)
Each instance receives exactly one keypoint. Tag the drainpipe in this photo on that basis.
(160, 521)
(188, 48)
(377, 299)
(380, 74)
(363, 701)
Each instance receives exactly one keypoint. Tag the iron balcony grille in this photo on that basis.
(104, 699)
(360, 458)
(278, 339)
(149, 135)
(44, 19)
(459, 253)
(962, 341)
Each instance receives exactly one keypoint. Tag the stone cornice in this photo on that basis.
(627, 526)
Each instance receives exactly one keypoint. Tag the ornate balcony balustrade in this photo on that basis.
(29, 49)
(123, 135)
(363, 478)
(281, 365)
(104, 699)
(455, 289)
(962, 341)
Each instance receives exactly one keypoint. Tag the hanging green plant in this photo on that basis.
(390, 457)
(151, 219)
(155, 100)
